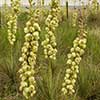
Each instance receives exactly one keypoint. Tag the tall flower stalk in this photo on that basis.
(12, 22)
(74, 58)
(49, 44)
(12, 29)
(74, 18)
(29, 54)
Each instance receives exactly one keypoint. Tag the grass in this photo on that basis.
(49, 88)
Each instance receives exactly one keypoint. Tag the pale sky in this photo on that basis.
(25, 2)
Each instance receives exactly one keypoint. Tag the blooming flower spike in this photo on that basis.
(12, 23)
(52, 21)
(74, 58)
(29, 55)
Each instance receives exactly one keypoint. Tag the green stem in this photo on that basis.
(11, 58)
(50, 77)
(12, 66)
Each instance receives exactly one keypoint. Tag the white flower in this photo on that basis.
(50, 16)
(64, 90)
(23, 84)
(72, 49)
(68, 71)
(67, 75)
(31, 29)
(77, 49)
(73, 54)
(70, 87)
(77, 60)
(26, 90)
(82, 52)
(73, 81)
(73, 63)
(21, 59)
(69, 56)
(28, 23)
(36, 33)
(84, 46)
(36, 26)
(75, 76)
(25, 94)
(32, 80)
(67, 81)
(69, 61)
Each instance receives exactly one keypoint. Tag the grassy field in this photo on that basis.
(88, 85)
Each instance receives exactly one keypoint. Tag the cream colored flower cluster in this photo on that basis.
(74, 18)
(15, 4)
(12, 29)
(12, 23)
(51, 22)
(94, 6)
(29, 55)
(74, 58)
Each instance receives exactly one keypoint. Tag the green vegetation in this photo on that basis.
(88, 85)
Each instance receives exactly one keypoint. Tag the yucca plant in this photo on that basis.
(9, 73)
(49, 81)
